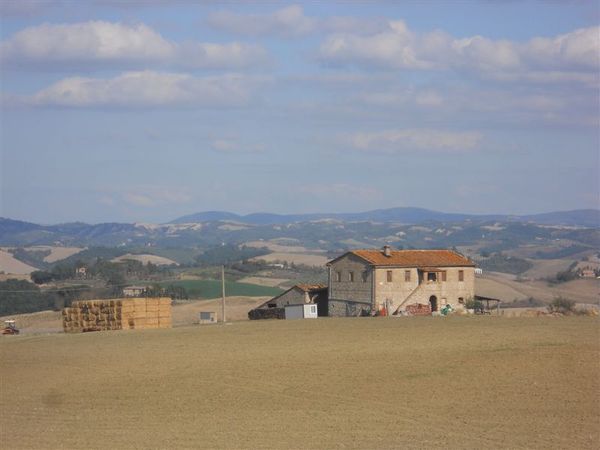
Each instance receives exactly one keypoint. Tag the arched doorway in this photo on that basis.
(433, 302)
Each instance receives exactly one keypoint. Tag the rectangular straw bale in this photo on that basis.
(152, 301)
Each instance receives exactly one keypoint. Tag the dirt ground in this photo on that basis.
(459, 382)
(236, 308)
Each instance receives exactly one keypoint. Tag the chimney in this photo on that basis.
(387, 251)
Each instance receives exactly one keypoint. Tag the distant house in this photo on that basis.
(366, 281)
(133, 291)
(588, 273)
(81, 272)
(300, 294)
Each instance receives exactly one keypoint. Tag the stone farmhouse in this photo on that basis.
(417, 281)
(366, 282)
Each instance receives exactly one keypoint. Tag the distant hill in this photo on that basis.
(404, 215)
(321, 230)
(581, 217)
(577, 217)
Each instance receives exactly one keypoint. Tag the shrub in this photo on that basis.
(530, 302)
(476, 305)
(561, 305)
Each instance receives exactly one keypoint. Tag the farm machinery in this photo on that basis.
(10, 328)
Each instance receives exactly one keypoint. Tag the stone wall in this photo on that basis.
(358, 290)
(396, 291)
(399, 293)
(344, 308)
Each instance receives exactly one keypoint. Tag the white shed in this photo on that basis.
(301, 311)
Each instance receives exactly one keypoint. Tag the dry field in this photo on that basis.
(459, 382)
(296, 258)
(278, 247)
(9, 264)
(236, 309)
(57, 253)
(289, 253)
(145, 259)
(506, 288)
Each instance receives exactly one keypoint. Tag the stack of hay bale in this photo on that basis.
(117, 314)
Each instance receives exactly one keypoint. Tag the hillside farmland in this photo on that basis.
(476, 382)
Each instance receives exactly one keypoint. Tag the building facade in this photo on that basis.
(364, 281)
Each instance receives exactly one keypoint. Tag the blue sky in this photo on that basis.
(146, 111)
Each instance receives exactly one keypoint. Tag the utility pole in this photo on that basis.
(223, 293)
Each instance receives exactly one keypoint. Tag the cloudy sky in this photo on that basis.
(148, 110)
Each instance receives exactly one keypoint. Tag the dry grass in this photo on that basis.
(506, 288)
(473, 382)
(9, 264)
(546, 268)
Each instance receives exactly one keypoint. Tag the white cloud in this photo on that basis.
(102, 43)
(290, 22)
(147, 89)
(391, 141)
(138, 199)
(572, 56)
(287, 22)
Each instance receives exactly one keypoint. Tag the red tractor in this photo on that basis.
(10, 328)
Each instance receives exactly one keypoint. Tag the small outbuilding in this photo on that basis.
(314, 295)
(301, 312)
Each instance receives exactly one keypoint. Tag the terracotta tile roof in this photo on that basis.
(310, 287)
(414, 258)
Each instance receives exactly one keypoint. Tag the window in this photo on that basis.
(461, 275)
(351, 277)
(365, 276)
(431, 276)
(338, 276)
(443, 276)
(389, 276)
(461, 300)
(407, 275)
